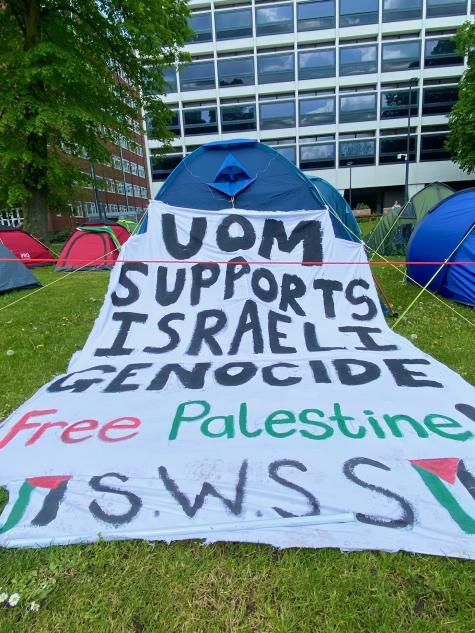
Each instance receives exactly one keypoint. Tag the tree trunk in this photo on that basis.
(36, 215)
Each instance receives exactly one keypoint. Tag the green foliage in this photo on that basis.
(461, 142)
(59, 93)
(362, 205)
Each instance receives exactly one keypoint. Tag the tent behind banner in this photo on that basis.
(242, 173)
(447, 232)
(92, 247)
(25, 247)
(14, 274)
(392, 233)
(337, 205)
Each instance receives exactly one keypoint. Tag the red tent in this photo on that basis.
(92, 247)
(25, 247)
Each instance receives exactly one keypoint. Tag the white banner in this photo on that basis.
(264, 401)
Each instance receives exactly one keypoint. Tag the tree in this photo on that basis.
(73, 75)
(461, 140)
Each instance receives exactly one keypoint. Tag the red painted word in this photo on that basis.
(116, 430)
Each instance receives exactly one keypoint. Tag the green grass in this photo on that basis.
(188, 588)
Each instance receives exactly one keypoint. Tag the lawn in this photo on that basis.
(189, 588)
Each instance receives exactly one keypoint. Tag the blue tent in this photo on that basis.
(337, 204)
(446, 232)
(14, 274)
(242, 173)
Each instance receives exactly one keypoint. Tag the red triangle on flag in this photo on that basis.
(443, 467)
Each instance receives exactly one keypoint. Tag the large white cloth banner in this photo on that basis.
(219, 400)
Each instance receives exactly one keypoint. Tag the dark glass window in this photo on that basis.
(274, 19)
(436, 8)
(395, 103)
(357, 60)
(232, 24)
(238, 71)
(277, 114)
(433, 147)
(275, 68)
(401, 56)
(169, 74)
(359, 152)
(287, 152)
(315, 64)
(441, 52)
(318, 156)
(202, 121)
(439, 100)
(394, 10)
(354, 12)
(357, 107)
(201, 25)
(175, 123)
(317, 111)
(162, 166)
(238, 117)
(393, 146)
(197, 76)
(312, 16)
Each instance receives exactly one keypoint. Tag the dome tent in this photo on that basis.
(14, 275)
(392, 233)
(25, 247)
(244, 173)
(92, 247)
(446, 233)
(337, 205)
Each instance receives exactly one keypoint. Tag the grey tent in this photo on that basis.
(14, 274)
(391, 235)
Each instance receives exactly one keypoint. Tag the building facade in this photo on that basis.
(345, 89)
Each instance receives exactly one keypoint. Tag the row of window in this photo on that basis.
(323, 154)
(136, 148)
(318, 110)
(118, 186)
(83, 209)
(128, 167)
(273, 19)
(315, 64)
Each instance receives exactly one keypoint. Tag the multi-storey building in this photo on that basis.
(340, 87)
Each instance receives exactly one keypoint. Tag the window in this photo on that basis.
(238, 117)
(317, 111)
(394, 10)
(144, 192)
(197, 76)
(117, 162)
(277, 114)
(357, 107)
(274, 19)
(358, 152)
(126, 166)
(288, 152)
(401, 56)
(137, 191)
(275, 68)
(437, 8)
(317, 156)
(162, 166)
(202, 121)
(141, 171)
(433, 147)
(232, 24)
(441, 52)
(395, 103)
(238, 71)
(129, 188)
(353, 13)
(393, 146)
(175, 123)
(357, 60)
(133, 168)
(312, 16)
(169, 74)
(201, 25)
(120, 187)
(439, 100)
(318, 63)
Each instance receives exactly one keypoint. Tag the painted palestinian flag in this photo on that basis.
(449, 481)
